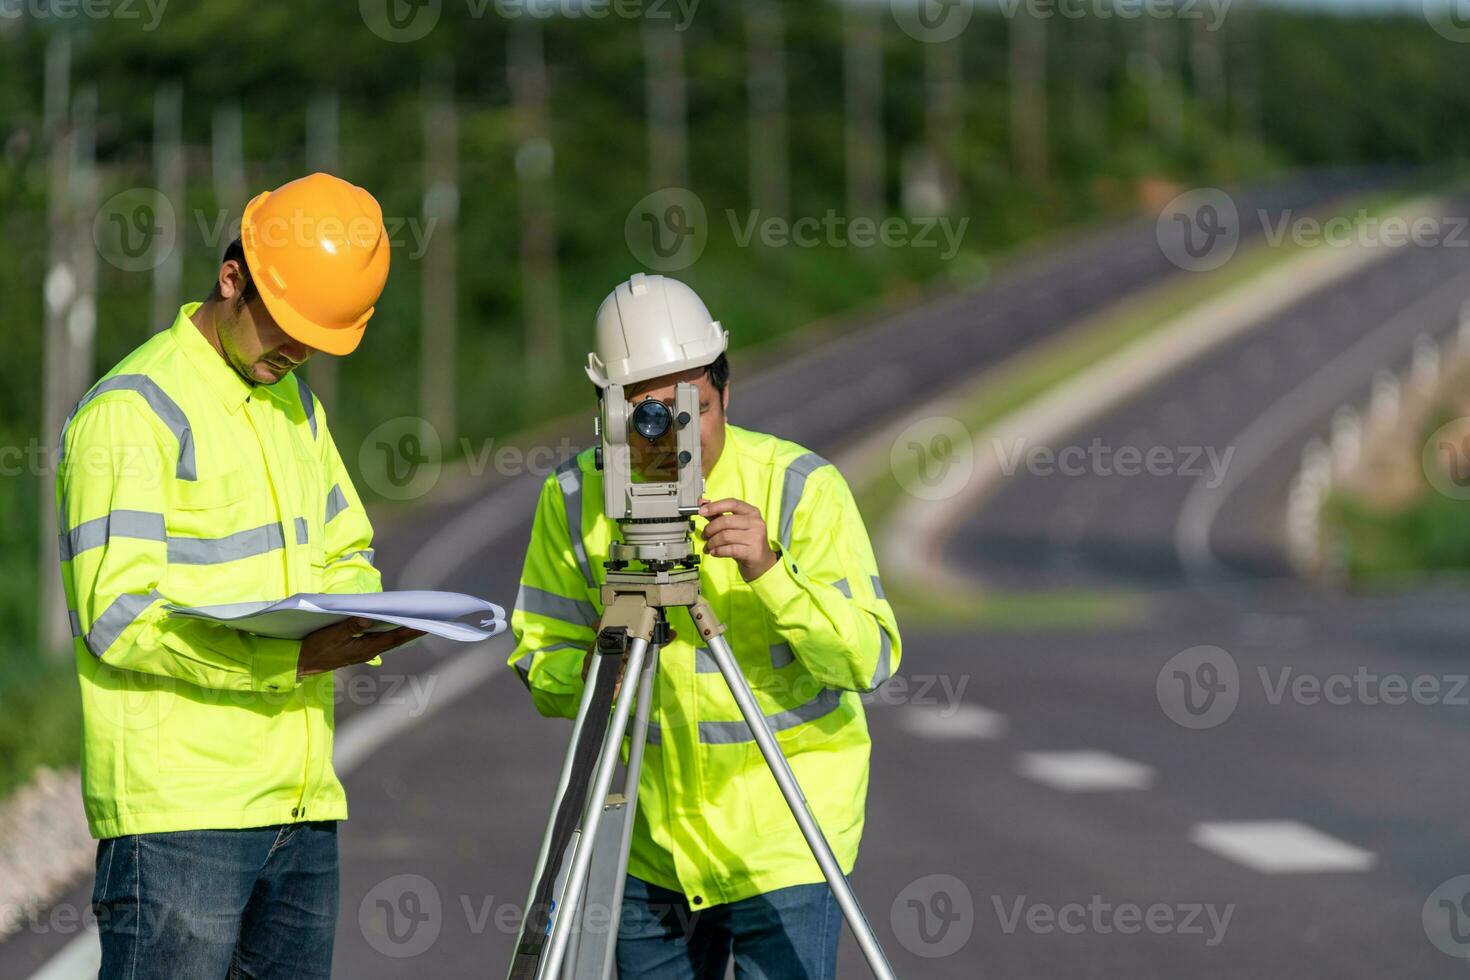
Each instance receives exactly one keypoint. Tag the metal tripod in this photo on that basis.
(585, 850)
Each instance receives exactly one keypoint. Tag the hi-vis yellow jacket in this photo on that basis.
(179, 482)
(809, 634)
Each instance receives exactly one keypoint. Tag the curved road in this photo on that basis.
(1329, 805)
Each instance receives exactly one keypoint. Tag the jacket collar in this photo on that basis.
(211, 369)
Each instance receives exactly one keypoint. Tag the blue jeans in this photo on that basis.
(787, 934)
(217, 904)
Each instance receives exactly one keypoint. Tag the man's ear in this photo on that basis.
(231, 284)
(725, 400)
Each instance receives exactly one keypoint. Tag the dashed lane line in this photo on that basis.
(1276, 847)
(1084, 771)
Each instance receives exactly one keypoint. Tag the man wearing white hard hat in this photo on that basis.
(718, 867)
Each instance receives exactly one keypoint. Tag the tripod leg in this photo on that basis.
(561, 836)
(565, 778)
(576, 881)
(639, 739)
(800, 809)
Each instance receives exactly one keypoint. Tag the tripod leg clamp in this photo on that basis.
(612, 641)
(705, 619)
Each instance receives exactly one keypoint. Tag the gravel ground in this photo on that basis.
(44, 844)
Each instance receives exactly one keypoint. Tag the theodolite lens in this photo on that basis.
(652, 419)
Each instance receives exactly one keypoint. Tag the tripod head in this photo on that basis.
(656, 516)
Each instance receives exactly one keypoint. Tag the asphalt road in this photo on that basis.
(449, 805)
(1315, 737)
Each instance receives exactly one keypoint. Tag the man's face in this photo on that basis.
(657, 460)
(258, 350)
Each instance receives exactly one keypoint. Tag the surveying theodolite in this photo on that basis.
(585, 850)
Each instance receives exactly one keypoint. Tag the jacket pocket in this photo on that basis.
(211, 507)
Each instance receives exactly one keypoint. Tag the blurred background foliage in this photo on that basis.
(1127, 118)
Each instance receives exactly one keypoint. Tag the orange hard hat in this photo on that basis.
(318, 254)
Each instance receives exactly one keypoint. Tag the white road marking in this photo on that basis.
(968, 722)
(1084, 771)
(1280, 847)
(82, 957)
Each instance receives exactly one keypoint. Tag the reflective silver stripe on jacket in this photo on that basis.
(163, 406)
(704, 661)
(796, 473)
(302, 533)
(885, 642)
(120, 523)
(841, 586)
(231, 547)
(366, 553)
(307, 402)
(736, 732)
(523, 665)
(885, 656)
(125, 609)
(336, 501)
(569, 477)
(542, 603)
(146, 526)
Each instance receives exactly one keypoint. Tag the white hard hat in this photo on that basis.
(651, 326)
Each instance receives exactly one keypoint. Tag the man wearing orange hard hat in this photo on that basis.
(200, 471)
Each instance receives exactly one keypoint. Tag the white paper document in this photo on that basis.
(452, 615)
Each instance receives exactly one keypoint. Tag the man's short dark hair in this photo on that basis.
(717, 371)
(235, 251)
